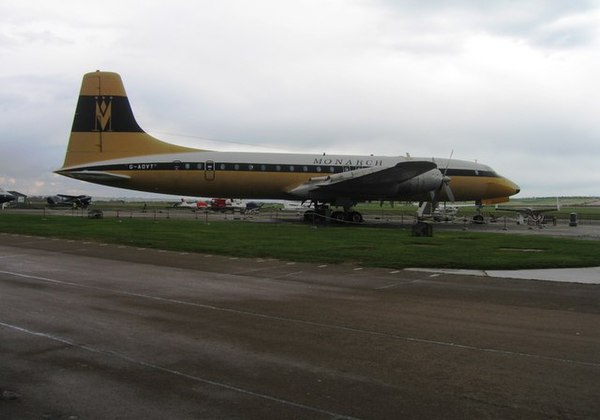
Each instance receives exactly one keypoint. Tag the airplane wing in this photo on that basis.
(526, 210)
(5, 196)
(366, 182)
(543, 210)
(519, 210)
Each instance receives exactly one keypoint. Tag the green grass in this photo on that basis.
(369, 246)
(579, 205)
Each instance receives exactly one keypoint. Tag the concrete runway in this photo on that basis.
(92, 331)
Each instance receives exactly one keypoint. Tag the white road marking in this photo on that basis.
(129, 359)
(312, 323)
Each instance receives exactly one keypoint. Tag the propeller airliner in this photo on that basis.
(107, 146)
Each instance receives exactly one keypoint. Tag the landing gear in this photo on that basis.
(347, 216)
(355, 217)
(322, 213)
(478, 217)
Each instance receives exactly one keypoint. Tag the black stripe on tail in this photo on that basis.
(104, 113)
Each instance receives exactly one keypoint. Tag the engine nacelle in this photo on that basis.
(423, 183)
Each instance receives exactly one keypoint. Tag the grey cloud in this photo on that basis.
(350, 77)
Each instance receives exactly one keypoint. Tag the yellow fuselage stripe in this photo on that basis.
(246, 184)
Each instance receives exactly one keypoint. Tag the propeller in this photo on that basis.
(444, 184)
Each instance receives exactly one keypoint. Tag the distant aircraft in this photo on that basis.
(219, 205)
(533, 216)
(72, 201)
(5, 197)
(192, 204)
(445, 213)
(296, 206)
(233, 205)
(107, 146)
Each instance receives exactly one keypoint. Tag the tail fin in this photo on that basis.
(104, 126)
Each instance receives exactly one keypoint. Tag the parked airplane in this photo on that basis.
(530, 215)
(192, 204)
(296, 206)
(5, 197)
(107, 146)
(233, 205)
(445, 213)
(73, 201)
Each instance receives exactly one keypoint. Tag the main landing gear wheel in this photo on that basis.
(478, 219)
(338, 216)
(320, 215)
(354, 217)
(347, 216)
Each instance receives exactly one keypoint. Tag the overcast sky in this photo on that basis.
(513, 84)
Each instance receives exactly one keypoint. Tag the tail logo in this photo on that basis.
(103, 114)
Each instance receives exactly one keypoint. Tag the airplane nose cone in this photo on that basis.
(514, 187)
(510, 188)
(502, 187)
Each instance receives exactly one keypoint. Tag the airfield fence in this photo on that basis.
(274, 215)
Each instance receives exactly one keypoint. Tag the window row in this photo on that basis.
(210, 166)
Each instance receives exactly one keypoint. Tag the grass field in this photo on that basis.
(368, 246)
(568, 205)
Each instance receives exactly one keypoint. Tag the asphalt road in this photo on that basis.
(92, 331)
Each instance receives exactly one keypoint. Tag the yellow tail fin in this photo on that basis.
(104, 127)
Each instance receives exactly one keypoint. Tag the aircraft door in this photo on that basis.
(209, 170)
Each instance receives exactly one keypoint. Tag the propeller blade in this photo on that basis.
(448, 191)
(446, 179)
(448, 163)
